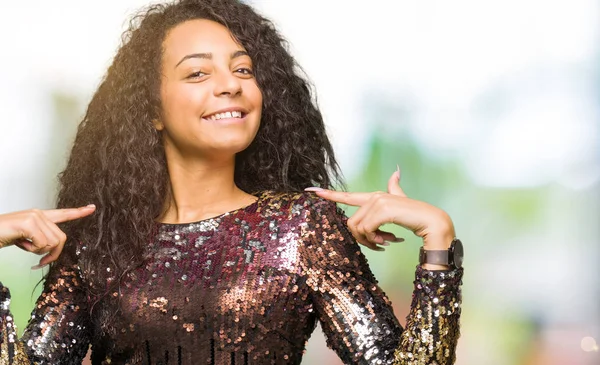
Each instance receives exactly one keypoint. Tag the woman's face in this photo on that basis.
(211, 104)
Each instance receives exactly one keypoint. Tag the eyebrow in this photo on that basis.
(208, 56)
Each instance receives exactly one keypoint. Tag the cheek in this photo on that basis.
(183, 101)
(254, 95)
(258, 98)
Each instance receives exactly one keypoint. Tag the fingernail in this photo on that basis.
(379, 249)
(398, 170)
(398, 239)
(37, 267)
(91, 206)
(313, 188)
(385, 243)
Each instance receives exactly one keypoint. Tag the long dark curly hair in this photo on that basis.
(118, 160)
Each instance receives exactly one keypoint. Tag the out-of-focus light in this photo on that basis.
(588, 344)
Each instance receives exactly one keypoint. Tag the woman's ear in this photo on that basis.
(158, 124)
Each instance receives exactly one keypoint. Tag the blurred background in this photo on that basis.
(491, 109)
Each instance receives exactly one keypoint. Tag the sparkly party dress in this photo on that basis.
(245, 287)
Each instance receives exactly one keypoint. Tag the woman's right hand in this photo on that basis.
(36, 231)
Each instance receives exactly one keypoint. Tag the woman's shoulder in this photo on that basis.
(295, 199)
(302, 203)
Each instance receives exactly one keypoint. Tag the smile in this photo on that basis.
(233, 114)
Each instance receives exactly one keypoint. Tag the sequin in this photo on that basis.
(246, 287)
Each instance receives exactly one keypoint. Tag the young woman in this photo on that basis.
(202, 246)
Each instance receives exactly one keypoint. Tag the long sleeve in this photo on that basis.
(59, 329)
(432, 326)
(356, 315)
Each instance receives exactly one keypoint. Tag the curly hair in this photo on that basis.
(118, 161)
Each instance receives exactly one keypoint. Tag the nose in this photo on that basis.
(227, 84)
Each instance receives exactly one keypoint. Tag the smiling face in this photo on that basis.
(211, 104)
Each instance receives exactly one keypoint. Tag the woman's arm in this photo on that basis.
(432, 325)
(356, 315)
(59, 329)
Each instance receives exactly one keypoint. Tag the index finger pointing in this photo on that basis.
(354, 199)
(68, 214)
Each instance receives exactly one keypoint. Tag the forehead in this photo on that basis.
(198, 36)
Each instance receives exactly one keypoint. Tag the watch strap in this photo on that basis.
(435, 257)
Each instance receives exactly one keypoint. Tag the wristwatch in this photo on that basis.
(452, 257)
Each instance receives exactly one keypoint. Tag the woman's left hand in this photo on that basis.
(378, 208)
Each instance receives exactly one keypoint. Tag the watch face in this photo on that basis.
(457, 253)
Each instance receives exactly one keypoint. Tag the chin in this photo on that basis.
(232, 146)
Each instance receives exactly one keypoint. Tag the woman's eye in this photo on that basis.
(244, 71)
(196, 75)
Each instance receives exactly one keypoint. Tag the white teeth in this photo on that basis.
(234, 114)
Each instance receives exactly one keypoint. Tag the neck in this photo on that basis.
(201, 189)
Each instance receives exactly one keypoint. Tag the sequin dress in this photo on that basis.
(245, 287)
